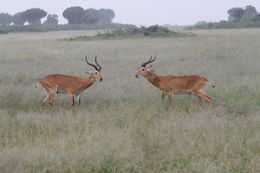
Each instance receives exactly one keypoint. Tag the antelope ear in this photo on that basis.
(149, 68)
(90, 72)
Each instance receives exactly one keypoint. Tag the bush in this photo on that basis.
(158, 31)
(3, 31)
(134, 32)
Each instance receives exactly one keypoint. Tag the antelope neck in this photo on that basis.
(153, 78)
(89, 79)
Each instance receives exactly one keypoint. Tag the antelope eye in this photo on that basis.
(95, 72)
(143, 69)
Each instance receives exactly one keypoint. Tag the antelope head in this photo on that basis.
(95, 73)
(144, 70)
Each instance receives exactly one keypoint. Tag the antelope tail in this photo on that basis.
(37, 84)
(57, 90)
(211, 83)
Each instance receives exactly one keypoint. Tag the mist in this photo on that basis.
(146, 12)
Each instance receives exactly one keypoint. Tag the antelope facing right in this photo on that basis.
(71, 85)
(174, 85)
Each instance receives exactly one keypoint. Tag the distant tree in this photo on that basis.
(5, 19)
(231, 18)
(34, 15)
(18, 19)
(235, 14)
(250, 11)
(106, 15)
(91, 16)
(200, 23)
(74, 14)
(256, 17)
(52, 19)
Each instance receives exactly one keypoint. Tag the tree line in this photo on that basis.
(235, 15)
(74, 15)
(238, 17)
(238, 13)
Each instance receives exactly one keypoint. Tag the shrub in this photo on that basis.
(134, 32)
(3, 31)
(158, 31)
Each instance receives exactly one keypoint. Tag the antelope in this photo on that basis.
(175, 85)
(71, 85)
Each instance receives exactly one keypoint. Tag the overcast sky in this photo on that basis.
(140, 12)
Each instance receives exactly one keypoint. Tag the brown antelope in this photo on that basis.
(71, 85)
(175, 85)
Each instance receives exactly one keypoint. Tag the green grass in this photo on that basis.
(122, 125)
(243, 23)
(133, 32)
(45, 28)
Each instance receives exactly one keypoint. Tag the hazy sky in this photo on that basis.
(145, 12)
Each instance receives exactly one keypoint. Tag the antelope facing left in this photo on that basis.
(71, 85)
(174, 85)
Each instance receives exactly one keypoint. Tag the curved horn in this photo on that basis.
(145, 63)
(149, 61)
(99, 67)
(154, 58)
(93, 65)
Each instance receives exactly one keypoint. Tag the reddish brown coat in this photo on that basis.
(170, 85)
(72, 85)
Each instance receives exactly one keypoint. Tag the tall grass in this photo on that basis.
(122, 125)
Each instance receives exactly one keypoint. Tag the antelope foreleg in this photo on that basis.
(170, 95)
(71, 99)
(78, 99)
(204, 96)
(163, 95)
(51, 97)
(44, 98)
(200, 99)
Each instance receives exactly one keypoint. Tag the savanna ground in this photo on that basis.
(121, 124)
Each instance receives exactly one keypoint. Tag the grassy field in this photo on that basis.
(122, 125)
(46, 27)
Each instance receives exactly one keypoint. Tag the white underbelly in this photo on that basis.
(183, 93)
(61, 92)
